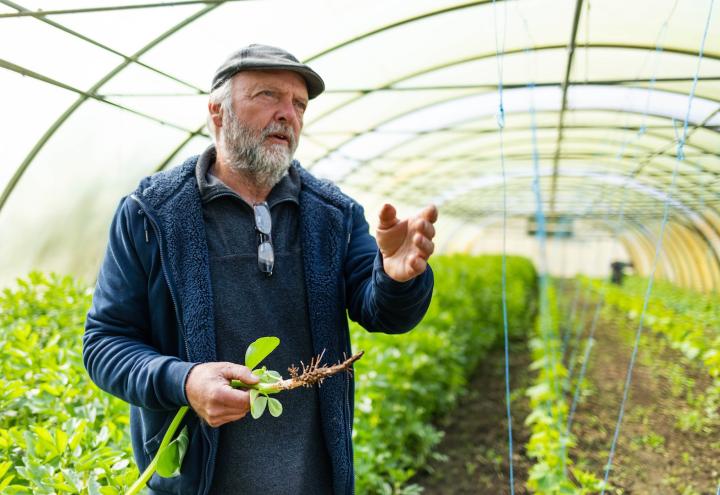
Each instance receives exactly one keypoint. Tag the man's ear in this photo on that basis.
(215, 110)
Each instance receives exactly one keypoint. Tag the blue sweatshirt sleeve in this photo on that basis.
(375, 300)
(116, 345)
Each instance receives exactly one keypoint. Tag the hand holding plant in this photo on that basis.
(210, 395)
(211, 391)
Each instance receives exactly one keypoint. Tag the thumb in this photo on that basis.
(239, 372)
(387, 216)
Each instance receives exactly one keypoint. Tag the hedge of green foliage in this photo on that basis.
(61, 434)
(58, 432)
(404, 381)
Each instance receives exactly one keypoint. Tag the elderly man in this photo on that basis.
(238, 243)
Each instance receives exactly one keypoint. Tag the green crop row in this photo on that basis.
(58, 432)
(689, 320)
(404, 381)
(550, 440)
(61, 434)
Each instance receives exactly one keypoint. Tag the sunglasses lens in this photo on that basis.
(266, 257)
(263, 221)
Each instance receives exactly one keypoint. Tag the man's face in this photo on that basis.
(260, 133)
(265, 96)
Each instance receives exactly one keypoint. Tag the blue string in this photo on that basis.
(583, 369)
(545, 318)
(573, 306)
(643, 126)
(501, 124)
(577, 335)
(658, 250)
(576, 329)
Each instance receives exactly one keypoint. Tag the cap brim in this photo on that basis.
(315, 84)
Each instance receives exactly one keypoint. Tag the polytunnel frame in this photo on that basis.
(641, 250)
(673, 257)
(646, 161)
(92, 92)
(212, 4)
(41, 15)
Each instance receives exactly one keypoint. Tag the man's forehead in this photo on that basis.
(277, 78)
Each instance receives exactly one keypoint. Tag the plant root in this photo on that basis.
(310, 374)
(315, 373)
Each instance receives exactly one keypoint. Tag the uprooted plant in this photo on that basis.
(170, 454)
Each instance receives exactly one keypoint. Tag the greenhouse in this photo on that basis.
(571, 149)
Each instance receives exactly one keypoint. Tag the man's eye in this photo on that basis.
(267, 92)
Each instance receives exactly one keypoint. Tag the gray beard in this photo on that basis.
(247, 154)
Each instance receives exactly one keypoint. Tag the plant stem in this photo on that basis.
(145, 476)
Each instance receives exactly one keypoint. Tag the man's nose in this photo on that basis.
(286, 112)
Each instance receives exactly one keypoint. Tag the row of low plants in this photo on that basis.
(550, 395)
(689, 320)
(404, 381)
(60, 434)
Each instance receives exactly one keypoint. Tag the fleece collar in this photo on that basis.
(288, 189)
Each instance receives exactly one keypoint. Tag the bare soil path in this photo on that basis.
(476, 440)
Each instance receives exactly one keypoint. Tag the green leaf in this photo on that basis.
(4, 466)
(5, 482)
(259, 350)
(171, 457)
(257, 406)
(274, 376)
(275, 407)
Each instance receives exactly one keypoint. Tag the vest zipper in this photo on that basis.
(146, 216)
(348, 443)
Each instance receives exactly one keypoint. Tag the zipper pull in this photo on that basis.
(147, 237)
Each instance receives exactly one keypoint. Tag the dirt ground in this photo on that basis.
(666, 444)
(476, 438)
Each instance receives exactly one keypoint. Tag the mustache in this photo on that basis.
(277, 127)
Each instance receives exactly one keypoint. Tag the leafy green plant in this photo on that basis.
(260, 396)
(59, 434)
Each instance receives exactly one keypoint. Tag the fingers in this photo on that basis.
(423, 227)
(424, 245)
(238, 372)
(418, 264)
(430, 213)
(388, 216)
(225, 405)
(210, 395)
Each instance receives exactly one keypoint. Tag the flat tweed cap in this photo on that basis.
(264, 57)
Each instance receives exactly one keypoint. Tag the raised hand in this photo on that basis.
(211, 396)
(406, 244)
